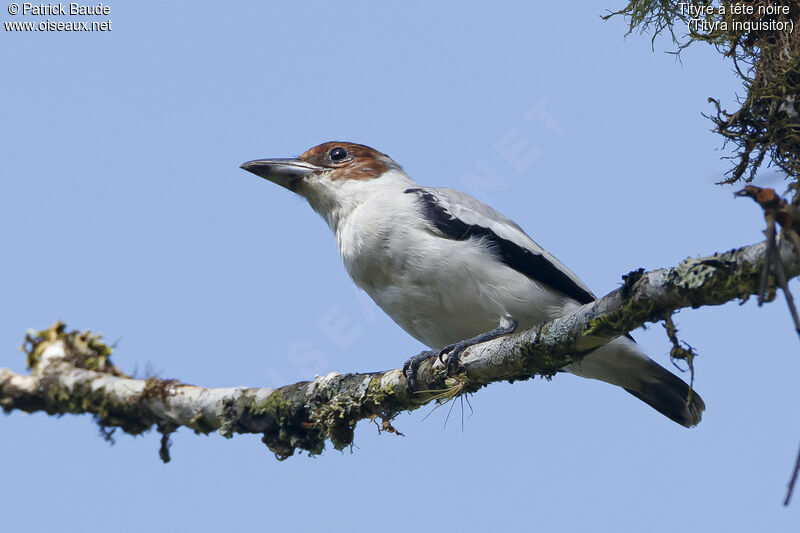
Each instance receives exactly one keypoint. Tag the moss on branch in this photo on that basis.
(72, 372)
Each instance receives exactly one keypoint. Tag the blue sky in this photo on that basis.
(123, 210)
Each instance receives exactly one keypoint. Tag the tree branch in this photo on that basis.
(71, 372)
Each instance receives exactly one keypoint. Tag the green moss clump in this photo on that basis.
(715, 280)
(276, 404)
(199, 424)
(83, 349)
(542, 362)
(340, 402)
(288, 425)
(37, 341)
(156, 388)
(628, 317)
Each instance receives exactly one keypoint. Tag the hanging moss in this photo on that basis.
(764, 46)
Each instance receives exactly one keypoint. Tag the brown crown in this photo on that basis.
(361, 163)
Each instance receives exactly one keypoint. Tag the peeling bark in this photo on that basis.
(71, 372)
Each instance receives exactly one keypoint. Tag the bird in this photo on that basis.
(451, 271)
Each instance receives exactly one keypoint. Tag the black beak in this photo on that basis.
(287, 173)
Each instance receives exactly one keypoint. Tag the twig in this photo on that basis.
(768, 259)
(792, 480)
(778, 210)
(784, 283)
(677, 351)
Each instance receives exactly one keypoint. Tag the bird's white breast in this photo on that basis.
(439, 290)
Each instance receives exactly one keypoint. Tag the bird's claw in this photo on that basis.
(411, 366)
(448, 355)
(453, 353)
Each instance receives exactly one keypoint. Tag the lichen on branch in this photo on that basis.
(72, 372)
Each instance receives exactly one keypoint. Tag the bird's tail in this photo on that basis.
(670, 396)
(622, 363)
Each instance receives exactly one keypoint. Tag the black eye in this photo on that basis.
(337, 154)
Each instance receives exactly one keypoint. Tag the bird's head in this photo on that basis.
(323, 165)
(332, 176)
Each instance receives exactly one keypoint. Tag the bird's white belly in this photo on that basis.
(434, 317)
(441, 291)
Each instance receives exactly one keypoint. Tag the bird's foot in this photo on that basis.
(449, 355)
(453, 351)
(411, 366)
